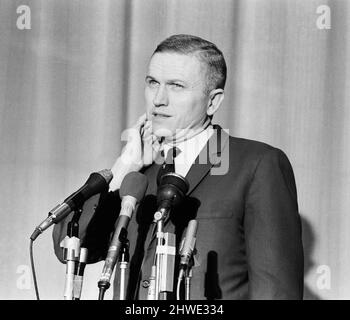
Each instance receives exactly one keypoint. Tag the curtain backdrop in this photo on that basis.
(74, 81)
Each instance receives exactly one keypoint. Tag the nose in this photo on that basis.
(161, 97)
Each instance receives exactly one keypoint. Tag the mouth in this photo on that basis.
(160, 115)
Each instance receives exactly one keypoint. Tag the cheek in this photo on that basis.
(183, 117)
(188, 109)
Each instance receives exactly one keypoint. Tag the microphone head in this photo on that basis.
(189, 239)
(98, 180)
(96, 183)
(106, 174)
(189, 243)
(134, 184)
(172, 189)
(192, 228)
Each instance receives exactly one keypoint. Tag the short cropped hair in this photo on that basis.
(205, 51)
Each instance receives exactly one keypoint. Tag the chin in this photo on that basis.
(162, 131)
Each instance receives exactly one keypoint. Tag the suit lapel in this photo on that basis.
(207, 158)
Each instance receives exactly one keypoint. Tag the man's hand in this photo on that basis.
(140, 150)
(141, 147)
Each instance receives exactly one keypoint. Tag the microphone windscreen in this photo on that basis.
(96, 183)
(106, 174)
(192, 229)
(134, 184)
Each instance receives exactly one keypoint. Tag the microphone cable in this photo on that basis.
(33, 269)
(178, 286)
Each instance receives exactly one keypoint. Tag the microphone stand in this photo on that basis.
(171, 190)
(71, 254)
(188, 281)
(79, 273)
(188, 284)
(161, 280)
(187, 275)
(124, 260)
(158, 216)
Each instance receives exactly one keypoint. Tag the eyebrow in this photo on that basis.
(148, 77)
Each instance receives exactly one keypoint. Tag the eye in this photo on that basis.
(177, 85)
(151, 83)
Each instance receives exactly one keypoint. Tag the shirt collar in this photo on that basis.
(191, 148)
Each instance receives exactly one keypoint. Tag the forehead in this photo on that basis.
(169, 65)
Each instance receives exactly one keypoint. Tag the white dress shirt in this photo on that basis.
(190, 149)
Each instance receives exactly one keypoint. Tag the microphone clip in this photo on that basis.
(72, 254)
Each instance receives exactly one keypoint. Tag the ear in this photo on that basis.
(216, 96)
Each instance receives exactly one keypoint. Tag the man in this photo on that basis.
(241, 192)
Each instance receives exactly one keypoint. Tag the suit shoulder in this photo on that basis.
(251, 147)
(253, 151)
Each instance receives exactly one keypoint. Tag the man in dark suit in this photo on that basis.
(241, 192)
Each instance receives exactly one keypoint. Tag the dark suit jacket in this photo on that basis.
(249, 231)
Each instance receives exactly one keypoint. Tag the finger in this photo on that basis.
(141, 121)
(148, 128)
(147, 131)
(148, 124)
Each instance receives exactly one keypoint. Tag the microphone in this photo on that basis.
(71, 253)
(132, 191)
(171, 192)
(79, 274)
(96, 183)
(188, 245)
(186, 251)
